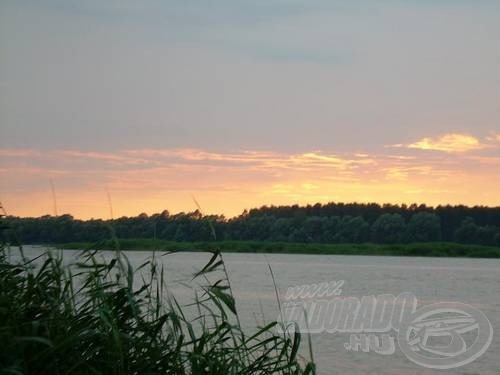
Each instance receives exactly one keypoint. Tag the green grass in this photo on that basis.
(100, 316)
(433, 249)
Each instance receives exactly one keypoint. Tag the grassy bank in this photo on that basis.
(434, 249)
(102, 316)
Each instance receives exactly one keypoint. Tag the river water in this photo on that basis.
(475, 282)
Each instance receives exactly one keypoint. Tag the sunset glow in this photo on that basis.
(246, 104)
(151, 180)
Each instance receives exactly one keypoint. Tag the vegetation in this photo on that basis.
(329, 223)
(433, 249)
(100, 315)
(105, 317)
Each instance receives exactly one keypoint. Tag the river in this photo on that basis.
(474, 282)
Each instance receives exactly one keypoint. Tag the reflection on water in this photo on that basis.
(471, 281)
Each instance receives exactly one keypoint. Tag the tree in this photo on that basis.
(470, 232)
(388, 228)
(497, 239)
(299, 235)
(424, 227)
(281, 230)
(467, 232)
(315, 227)
(353, 229)
(326, 223)
(332, 227)
(486, 235)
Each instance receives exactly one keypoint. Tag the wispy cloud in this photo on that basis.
(494, 137)
(149, 180)
(450, 143)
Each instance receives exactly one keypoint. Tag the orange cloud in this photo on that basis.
(151, 180)
(494, 137)
(451, 143)
(12, 152)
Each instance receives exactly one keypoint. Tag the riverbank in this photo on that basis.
(431, 249)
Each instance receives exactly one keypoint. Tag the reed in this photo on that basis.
(100, 315)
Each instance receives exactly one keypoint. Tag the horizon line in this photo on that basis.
(247, 210)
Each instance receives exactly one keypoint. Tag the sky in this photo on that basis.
(245, 103)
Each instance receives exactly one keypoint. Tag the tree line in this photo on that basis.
(319, 223)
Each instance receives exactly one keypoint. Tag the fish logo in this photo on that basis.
(445, 335)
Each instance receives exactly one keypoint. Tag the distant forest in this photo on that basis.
(319, 223)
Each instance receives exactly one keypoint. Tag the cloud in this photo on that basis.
(450, 143)
(494, 137)
(12, 152)
(150, 180)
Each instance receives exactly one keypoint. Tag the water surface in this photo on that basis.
(472, 281)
